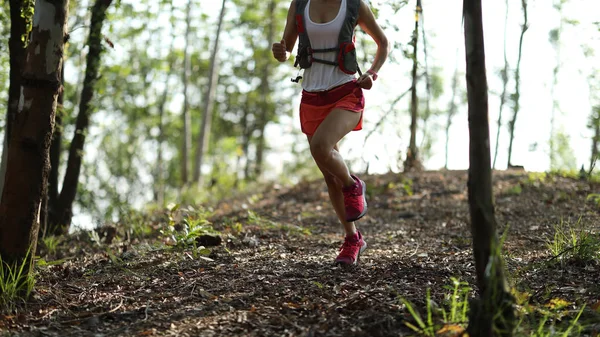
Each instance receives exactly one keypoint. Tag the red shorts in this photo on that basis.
(315, 106)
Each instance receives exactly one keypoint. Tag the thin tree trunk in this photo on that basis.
(60, 218)
(159, 185)
(504, 75)
(187, 118)
(51, 192)
(265, 93)
(56, 149)
(555, 105)
(412, 157)
(595, 121)
(493, 312)
(427, 114)
(28, 159)
(451, 113)
(18, 29)
(246, 130)
(517, 94)
(209, 98)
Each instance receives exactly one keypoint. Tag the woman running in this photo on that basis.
(332, 98)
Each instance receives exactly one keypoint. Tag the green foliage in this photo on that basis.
(451, 318)
(185, 234)
(27, 10)
(16, 283)
(515, 190)
(51, 244)
(563, 157)
(595, 198)
(574, 241)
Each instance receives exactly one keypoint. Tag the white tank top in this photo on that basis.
(320, 76)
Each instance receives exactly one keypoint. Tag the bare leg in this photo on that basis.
(334, 188)
(323, 143)
(324, 149)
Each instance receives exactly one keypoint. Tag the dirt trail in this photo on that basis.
(274, 274)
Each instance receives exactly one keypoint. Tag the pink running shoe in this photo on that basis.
(355, 200)
(351, 249)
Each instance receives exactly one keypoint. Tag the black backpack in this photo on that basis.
(346, 50)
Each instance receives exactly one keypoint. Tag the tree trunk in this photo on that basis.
(492, 315)
(427, 111)
(246, 132)
(595, 124)
(187, 118)
(159, 181)
(412, 156)
(51, 194)
(517, 94)
(209, 98)
(28, 160)
(18, 29)
(451, 113)
(555, 40)
(504, 75)
(61, 214)
(265, 94)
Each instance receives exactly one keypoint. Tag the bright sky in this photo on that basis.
(445, 35)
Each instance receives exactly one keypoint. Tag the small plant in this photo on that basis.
(574, 241)
(595, 198)
(407, 186)
(452, 317)
(51, 244)
(16, 283)
(515, 190)
(536, 178)
(187, 233)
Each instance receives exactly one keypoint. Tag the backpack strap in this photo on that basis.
(303, 40)
(347, 32)
(304, 57)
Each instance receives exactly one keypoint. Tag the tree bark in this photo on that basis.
(555, 40)
(28, 160)
(504, 75)
(159, 180)
(492, 315)
(412, 156)
(186, 116)
(209, 98)
(51, 193)
(595, 124)
(517, 94)
(451, 113)
(246, 132)
(18, 28)
(265, 94)
(61, 214)
(428, 98)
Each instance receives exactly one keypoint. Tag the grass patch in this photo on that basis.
(574, 242)
(259, 221)
(514, 190)
(51, 243)
(16, 283)
(554, 318)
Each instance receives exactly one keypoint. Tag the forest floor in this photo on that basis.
(273, 272)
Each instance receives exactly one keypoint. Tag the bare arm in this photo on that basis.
(366, 21)
(283, 49)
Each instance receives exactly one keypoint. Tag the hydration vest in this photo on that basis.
(346, 50)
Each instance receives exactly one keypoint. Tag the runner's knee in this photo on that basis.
(320, 150)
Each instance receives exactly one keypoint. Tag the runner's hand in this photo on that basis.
(280, 51)
(365, 81)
